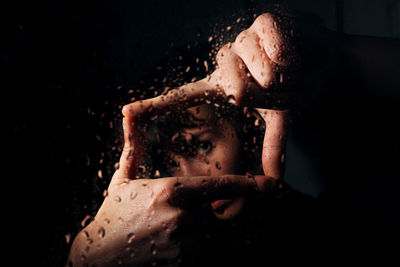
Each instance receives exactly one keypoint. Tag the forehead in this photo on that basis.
(203, 113)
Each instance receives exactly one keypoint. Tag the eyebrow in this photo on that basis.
(199, 131)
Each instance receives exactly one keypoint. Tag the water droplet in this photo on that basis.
(101, 232)
(281, 77)
(84, 221)
(131, 237)
(68, 238)
(218, 165)
(105, 193)
(116, 166)
(85, 233)
(282, 158)
(117, 199)
(187, 69)
(100, 174)
(153, 248)
(142, 168)
(133, 195)
(231, 99)
(178, 185)
(107, 221)
(206, 65)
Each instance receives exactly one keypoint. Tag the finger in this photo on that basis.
(208, 188)
(273, 154)
(186, 96)
(248, 48)
(231, 73)
(128, 156)
(233, 77)
(265, 26)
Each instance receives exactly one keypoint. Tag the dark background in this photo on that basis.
(69, 66)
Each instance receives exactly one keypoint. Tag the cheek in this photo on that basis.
(225, 157)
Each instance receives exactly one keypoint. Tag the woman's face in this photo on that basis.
(217, 152)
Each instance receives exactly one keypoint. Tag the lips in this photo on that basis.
(220, 205)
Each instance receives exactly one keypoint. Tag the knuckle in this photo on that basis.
(265, 81)
(242, 36)
(264, 20)
(222, 52)
(163, 192)
(221, 181)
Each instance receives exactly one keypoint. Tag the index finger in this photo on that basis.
(183, 97)
(200, 188)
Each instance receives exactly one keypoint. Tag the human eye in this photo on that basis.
(204, 147)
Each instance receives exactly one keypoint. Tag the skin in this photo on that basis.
(219, 155)
(138, 219)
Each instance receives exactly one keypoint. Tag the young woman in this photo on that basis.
(206, 156)
(218, 199)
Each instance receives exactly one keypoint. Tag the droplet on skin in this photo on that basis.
(101, 232)
(231, 99)
(131, 237)
(117, 199)
(105, 193)
(178, 185)
(85, 233)
(116, 166)
(218, 165)
(157, 174)
(133, 195)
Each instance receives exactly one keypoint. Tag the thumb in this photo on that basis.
(128, 156)
(273, 155)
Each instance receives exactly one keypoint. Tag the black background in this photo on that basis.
(69, 66)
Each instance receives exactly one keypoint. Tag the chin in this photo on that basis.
(228, 208)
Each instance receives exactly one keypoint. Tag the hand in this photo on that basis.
(144, 220)
(139, 218)
(246, 70)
